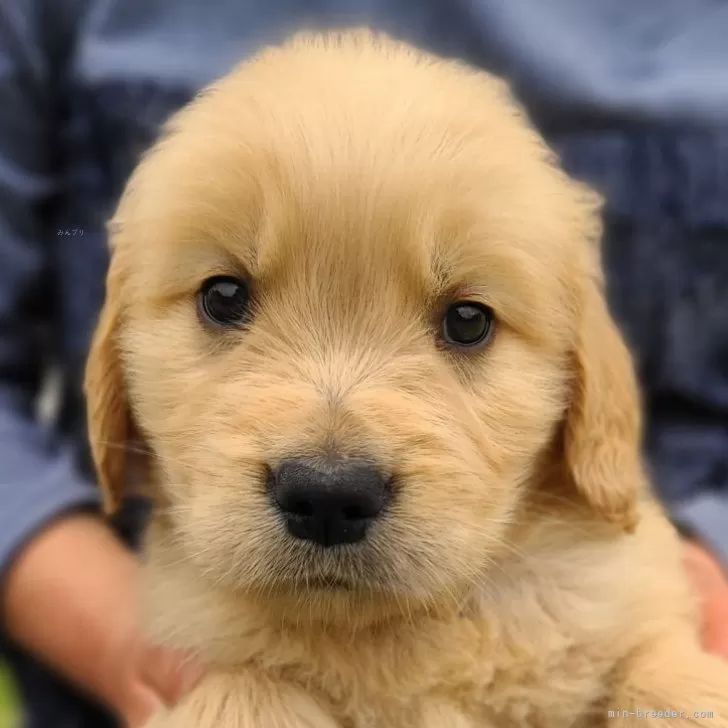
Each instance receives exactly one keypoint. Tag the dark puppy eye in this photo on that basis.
(224, 301)
(467, 324)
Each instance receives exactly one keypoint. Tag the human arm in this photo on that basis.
(68, 586)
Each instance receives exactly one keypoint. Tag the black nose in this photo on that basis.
(328, 501)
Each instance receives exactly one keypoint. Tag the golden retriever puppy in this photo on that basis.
(355, 316)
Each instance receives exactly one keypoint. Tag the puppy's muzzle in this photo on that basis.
(329, 501)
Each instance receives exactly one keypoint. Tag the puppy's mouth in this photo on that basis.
(305, 580)
(325, 583)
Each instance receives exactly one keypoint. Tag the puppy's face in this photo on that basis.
(352, 308)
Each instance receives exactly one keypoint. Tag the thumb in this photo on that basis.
(170, 674)
(715, 634)
(712, 587)
(140, 706)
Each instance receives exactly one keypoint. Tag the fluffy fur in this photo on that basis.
(524, 576)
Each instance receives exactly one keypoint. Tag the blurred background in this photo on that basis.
(632, 95)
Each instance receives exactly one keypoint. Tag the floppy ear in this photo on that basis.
(603, 427)
(108, 415)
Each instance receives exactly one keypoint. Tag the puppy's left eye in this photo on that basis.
(467, 324)
(224, 301)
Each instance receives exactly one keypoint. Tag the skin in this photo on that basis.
(711, 583)
(82, 622)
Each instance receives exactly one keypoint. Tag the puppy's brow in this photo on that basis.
(178, 270)
(515, 283)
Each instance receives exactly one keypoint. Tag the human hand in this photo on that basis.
(151, 678)
(711, 581)
(71, 598)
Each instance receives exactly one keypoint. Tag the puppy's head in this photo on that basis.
(353, 310)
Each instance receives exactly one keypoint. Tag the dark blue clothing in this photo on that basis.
(632, 95)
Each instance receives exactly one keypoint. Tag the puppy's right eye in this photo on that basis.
(224, 301)
(467, 324)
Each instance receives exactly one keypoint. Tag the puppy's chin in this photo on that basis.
(328, 584)
(319, 583)
(338, 604)
(358, 591)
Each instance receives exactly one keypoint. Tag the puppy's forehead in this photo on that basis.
(363, 168)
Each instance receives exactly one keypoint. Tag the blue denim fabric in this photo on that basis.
(631, 94)
(666, 258)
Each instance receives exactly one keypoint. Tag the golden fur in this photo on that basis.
(524, 576)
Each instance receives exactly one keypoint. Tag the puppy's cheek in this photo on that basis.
(224, 514)
(519, 391)
(467, 456)
(230, 539)
(227, 525)
(445, 531)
